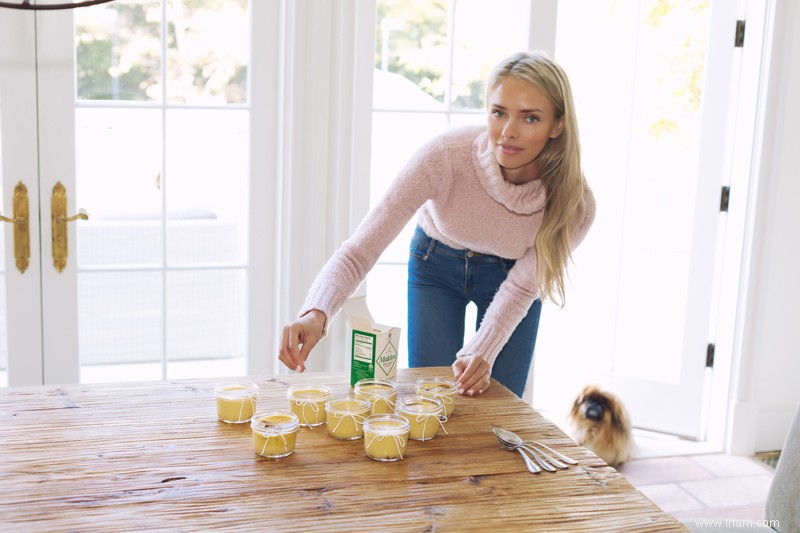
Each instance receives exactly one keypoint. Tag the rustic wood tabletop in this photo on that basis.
(152, 456)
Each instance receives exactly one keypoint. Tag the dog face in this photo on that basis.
(595, 405)
(599, 421)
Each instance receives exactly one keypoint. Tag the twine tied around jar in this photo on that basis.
(358, 420)
(269, 433)
(440, 418)
(252, 401)
(399, 442)
(386, 397)
(302, 404)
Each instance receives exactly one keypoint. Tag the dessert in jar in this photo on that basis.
(381, 393)
(274, 434)
(236, 402)
(424, 415)
(386, 437)
(442, 389)
(308, 403)
(345, 417)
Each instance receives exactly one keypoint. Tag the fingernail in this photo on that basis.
(469, 392)
(461, 391)
(480, 391)
(299, 369)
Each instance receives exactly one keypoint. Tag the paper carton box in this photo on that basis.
(373, 347)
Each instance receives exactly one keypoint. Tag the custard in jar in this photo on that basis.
(386, 437)
(274, 434)
(345, 417)
(424, 415)
(236, 402)
(308, 403)
(381, 393)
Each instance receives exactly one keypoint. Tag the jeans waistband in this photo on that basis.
(433, 245)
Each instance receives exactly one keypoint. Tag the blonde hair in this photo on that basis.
(559, 168)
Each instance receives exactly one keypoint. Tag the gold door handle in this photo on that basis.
(59, 219)
(22, 241)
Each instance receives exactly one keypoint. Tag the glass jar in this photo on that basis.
(381, 393)
(424, 414)
(386, 437)
(236, 402)
(442, 389)
(308, 403)
(274, 434)
(346, 417)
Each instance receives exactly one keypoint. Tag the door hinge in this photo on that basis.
(724, 198)
(710, 355)
(738, 41)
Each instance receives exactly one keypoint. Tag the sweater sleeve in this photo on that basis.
(346, 269)
(516, 294)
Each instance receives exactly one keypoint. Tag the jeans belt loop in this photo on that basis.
(431, 244)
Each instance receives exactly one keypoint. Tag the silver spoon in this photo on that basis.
(529, 464)
(514, 441)
(561, 456)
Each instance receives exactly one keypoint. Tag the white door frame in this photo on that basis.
(19, 130)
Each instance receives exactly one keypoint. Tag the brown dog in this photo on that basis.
(599, 421)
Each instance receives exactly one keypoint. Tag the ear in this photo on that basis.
(559, 129)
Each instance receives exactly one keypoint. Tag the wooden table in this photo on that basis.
(152, 456)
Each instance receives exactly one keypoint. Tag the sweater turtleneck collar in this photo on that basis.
(523, 199)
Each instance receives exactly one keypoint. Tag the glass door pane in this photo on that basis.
(162, 144)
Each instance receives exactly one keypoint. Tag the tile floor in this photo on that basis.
(714, 485)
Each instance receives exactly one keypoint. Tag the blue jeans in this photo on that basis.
(441, 282)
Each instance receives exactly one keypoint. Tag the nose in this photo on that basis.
(594, 411)
(509, 131)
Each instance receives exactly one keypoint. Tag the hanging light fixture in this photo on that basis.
(27, 5)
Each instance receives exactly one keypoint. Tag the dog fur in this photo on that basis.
(599, 421)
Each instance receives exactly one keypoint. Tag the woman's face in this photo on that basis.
(521, 120)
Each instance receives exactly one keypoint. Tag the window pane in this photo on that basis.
(118, 50)
(206, 186)
(120, 323)
(207, 55)
(206, 315)
(412, 42)
(479, 45)
(118, 163)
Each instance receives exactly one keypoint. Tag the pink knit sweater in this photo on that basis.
(455, 187)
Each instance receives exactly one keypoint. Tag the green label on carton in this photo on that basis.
(363, 360)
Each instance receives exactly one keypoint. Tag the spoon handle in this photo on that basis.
(536, 458)
(532, 467)
(561, 456)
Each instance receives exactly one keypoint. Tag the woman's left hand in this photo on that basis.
(472, 374)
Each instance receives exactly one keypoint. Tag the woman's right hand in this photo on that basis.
(299, 338)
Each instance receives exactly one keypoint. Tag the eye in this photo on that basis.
(531, 119)
(497, 113)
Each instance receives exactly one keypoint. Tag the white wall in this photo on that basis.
(766, 389)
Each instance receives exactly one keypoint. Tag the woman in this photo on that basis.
(499, 209)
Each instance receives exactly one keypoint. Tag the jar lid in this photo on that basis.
(375, 386)
(274, 422)
(347, 406)
(420, 405)
(387, 424)
(236, 389)
(436, 386)
(304, 392)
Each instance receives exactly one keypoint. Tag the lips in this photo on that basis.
(509, 149)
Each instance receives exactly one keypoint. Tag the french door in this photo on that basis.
(136, 113)
(658, 105)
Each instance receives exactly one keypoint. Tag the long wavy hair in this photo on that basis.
(559, 167)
